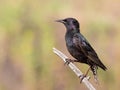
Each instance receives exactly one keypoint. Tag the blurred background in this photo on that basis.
(28, 33)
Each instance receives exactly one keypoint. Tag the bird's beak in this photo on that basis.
(61, 21)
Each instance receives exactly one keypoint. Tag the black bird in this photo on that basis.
(79, 47)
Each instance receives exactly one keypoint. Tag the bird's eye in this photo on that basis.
(74, 22)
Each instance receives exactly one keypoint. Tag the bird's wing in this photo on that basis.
(82, 44)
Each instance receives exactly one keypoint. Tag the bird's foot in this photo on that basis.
(96, 79)
(68, 61)
(83, 76)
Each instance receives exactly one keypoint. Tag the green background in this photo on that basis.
(28, 33)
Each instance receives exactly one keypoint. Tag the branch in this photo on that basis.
(74, 69)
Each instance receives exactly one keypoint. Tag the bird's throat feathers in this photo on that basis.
(73, 30)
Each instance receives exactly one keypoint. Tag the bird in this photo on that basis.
(80, 48)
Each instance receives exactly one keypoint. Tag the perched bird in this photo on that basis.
(80, 48)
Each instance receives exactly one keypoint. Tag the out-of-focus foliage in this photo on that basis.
(28, 33)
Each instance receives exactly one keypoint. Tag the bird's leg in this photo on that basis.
(70, 60)
(96, 79)
(84, 75)
(94, 70)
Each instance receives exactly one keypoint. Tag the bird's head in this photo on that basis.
(70, 23)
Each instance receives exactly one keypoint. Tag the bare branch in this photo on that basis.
(74, 69)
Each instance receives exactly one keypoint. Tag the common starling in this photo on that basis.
(79, 47)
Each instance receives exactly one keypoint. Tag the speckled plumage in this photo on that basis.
(79, 47)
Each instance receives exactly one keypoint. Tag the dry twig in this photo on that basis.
(74, 69)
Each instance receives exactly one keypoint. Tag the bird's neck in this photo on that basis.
(72, 31)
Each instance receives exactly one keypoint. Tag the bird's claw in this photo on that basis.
(96, 79)
(82, 77)
(68, 61)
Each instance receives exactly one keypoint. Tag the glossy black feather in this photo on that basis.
(83, 46)
(79, 47)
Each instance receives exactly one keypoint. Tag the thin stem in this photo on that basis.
(74, 69)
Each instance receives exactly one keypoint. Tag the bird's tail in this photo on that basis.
(101, 65)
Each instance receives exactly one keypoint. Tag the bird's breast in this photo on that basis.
(73, 50)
